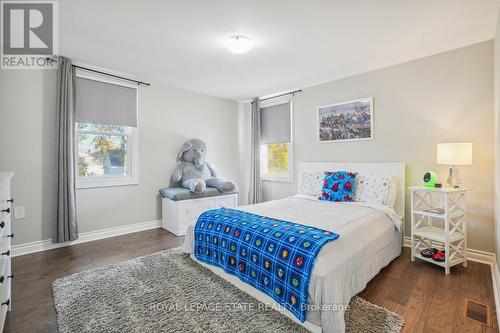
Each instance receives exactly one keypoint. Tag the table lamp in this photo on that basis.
(454, 154)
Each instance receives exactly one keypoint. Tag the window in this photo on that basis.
(274, 160)
(105, 133)
(276, 153)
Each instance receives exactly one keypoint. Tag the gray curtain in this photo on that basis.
(255, 185)
(65, 228)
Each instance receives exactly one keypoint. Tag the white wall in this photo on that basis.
(447, 97)
(444, 98)
(167, 116)
(27, 147)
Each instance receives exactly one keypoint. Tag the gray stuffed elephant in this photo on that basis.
(194, 173)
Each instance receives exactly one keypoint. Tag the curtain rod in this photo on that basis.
(104, 73)
(281, 95)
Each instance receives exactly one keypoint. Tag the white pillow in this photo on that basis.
(392, 192)
(311, 183)
(372, 188)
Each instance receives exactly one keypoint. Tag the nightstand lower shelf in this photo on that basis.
(456, 253)
(452, 263)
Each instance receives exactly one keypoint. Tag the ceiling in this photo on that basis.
(298, 43)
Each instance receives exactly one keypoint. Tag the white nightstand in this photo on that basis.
(446, 229)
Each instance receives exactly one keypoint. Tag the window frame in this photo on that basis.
(263, 147)
(132, 177)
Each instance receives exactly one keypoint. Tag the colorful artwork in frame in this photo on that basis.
(346, 121)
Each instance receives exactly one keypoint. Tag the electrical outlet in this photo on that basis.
(19, 212)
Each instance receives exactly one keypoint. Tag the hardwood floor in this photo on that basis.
(421, 293)
(429, 300)
(32, 303)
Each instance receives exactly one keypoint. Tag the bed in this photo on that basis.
(370, 238)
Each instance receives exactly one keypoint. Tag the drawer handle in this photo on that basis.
(11, 200)
(11, 276)
(11, 235)
(6, 253)
(6, 210)
(2, 224)
(7, 302)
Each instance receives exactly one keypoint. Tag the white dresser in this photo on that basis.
(177, 215)
(5, 245)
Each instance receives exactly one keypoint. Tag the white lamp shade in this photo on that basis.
(454, 153)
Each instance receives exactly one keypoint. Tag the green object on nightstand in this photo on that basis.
(430, 179)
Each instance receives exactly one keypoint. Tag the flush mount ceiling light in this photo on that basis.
(239, 44)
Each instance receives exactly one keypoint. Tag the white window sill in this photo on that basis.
(105, 182)
(278, 179)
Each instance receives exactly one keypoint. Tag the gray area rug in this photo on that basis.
(169, 292)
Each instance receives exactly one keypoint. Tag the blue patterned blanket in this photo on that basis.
(274, 256)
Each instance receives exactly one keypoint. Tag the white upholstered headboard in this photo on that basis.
(389, 169)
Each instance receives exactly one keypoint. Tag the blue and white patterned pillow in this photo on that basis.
(338, 186)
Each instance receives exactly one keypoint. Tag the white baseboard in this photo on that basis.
(483, 257)
(495, 278)
(43, 245)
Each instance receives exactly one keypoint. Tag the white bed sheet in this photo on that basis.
(369, 240)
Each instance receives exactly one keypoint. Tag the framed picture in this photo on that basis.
(346, 121)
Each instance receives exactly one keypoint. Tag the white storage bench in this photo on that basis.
(181, 208)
